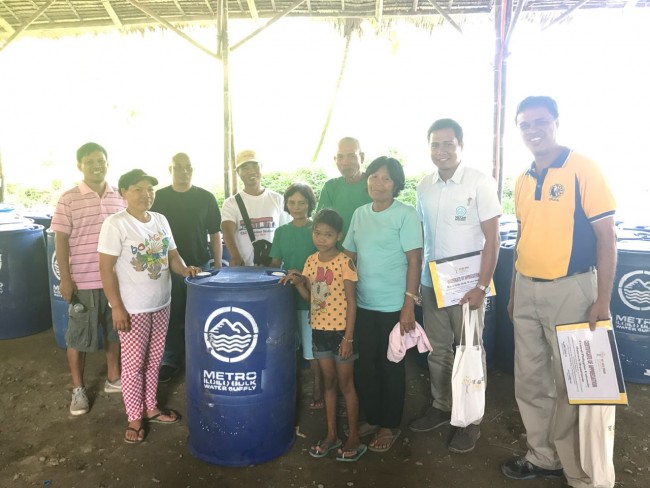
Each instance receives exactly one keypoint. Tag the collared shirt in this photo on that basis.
(80, 213)
(555, 209)
(452, 211)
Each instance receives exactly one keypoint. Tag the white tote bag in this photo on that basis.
(468, 377)
(596, 424)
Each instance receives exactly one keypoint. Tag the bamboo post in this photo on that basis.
(229, 178)
(502, 19)
(2, 182)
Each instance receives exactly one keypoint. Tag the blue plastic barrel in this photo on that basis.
(504, 350)
(59, 306)
(240, 366)
(630, 308)
(24, 303)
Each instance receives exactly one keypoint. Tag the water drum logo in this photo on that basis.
(230, 334)
(634, 290)
(55, 267)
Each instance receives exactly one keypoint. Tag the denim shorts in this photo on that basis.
(326, 344)
(83, 326)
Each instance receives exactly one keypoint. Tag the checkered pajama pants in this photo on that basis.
(142, 348)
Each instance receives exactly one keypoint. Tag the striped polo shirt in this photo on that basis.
(80, 213)
(555, 209)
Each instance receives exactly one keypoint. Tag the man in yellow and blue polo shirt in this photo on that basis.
(565, 261)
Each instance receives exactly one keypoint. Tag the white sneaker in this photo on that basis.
(113, 386)
(79, 404)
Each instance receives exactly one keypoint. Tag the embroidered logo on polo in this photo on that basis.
(634, 289)
(556, 191)
(461, 214)
(230, 334)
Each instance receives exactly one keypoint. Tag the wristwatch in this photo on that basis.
(484, 289)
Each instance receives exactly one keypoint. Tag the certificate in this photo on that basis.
(592, 370)
(454, 276)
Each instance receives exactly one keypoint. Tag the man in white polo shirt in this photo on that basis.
(76, 222)
(460, 210)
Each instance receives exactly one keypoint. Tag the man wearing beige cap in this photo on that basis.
(265, 209)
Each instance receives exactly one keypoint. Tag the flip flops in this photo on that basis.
(156, 418)
(391, 438)
(351, 455)
(365, 429)
(322, 448)
(137, 440)
(317, 404)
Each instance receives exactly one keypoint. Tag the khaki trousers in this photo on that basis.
(443, 327)
(551, 423)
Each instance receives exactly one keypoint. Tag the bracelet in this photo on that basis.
(348, 340)
(416, 298)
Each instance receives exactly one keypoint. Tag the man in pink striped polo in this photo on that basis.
(77, 221)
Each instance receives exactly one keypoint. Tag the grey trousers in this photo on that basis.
(551, 423)
(443, 327)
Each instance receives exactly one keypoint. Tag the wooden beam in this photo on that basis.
(167, 24)
(379, 10)
(415, 5)
(112, 14)
(521, 4)
(435, 5)
(24, 27)
(6, 26)
(268, 24)
(565, 14)
(252, 8)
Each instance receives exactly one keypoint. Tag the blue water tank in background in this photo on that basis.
(58, 305)
(240, 366)
(24, 303)
(630, 308)
(504, 350)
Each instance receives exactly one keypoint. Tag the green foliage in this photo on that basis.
(28, 197)
(508, 196)
(279, 181)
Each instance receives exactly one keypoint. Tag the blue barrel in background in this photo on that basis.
(240, 366)
(24, 303)
(504, 350)
(58, 305)
(630, 308)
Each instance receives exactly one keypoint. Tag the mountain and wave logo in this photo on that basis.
(634, 289)
(230, 334)
(55, 267)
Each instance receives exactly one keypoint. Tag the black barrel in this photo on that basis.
(240, 366)
(504, 350)
(24, 302)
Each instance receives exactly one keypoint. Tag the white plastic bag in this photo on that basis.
(596, 424)
(468, 377)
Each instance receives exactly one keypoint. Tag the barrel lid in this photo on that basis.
(18, 225)
(240, 276)
(509, 243)
(7, 207)
(633, 245)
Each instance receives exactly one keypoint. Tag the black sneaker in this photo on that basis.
(521, 468)
(432, 419)
(464, 439)
(166, 373)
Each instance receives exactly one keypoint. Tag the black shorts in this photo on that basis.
(325, 344)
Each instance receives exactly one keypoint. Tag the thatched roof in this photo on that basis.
(65, 17)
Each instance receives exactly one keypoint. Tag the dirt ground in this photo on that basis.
(41, 445)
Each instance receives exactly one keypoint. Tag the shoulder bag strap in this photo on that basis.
(244, 214)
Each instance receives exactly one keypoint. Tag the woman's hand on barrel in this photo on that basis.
(191, 271)
(121, 320)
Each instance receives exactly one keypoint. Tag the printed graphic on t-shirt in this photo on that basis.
(320, 289)
(261, 223)
(151, 255)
